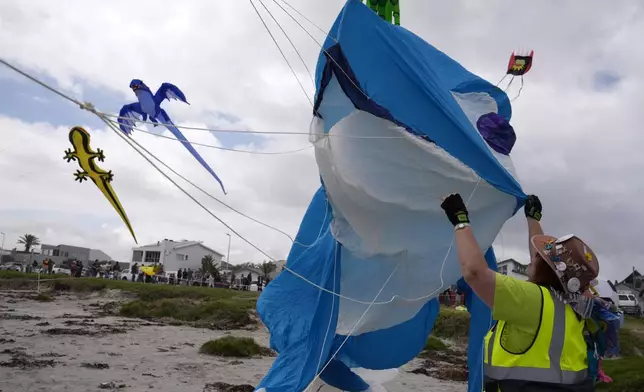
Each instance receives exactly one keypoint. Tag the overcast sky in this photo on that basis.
(578, 120)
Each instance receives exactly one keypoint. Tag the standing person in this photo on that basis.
(538, 341)
(607, 313)
(179, 276)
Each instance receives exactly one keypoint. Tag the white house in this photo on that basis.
(279, 267)
(242, 272)
(513, 268)
(174, 255)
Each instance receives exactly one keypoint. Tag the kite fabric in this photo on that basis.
(519, 65)
(149, 106)
(86, 158)
(374, 236)
(387, 9)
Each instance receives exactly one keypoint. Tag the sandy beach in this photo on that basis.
(71, 345)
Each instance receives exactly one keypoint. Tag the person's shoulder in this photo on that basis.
(511, 287)
(512, 281)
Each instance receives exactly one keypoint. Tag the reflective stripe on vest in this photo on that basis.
(558, 353)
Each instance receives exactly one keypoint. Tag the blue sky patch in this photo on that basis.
(605, 80)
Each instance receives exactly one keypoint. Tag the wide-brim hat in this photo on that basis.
(573, 261)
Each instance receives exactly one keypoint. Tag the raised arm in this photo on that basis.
(532, 211)
(473, 266)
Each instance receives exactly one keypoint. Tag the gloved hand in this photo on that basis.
(455, 209)
(533, 207)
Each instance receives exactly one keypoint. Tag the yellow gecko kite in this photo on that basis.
(79, 138)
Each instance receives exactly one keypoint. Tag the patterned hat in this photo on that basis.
(573, 261)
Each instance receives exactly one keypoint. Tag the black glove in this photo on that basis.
(533, 207)
(455, 209)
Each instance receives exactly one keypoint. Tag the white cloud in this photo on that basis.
(578, 149)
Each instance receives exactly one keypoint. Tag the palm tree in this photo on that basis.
(29, 241)
(208, 266)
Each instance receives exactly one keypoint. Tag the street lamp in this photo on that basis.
(228, 261)
(228, 255)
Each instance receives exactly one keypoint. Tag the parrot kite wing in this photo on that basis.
(128, 116)
(85, 156)
(169, 91)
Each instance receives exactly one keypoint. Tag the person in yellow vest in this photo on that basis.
(538, 341)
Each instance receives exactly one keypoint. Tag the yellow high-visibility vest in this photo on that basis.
(558, 353)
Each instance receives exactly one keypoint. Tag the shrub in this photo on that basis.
(434, 344)
(232, 346)
(452, 323)
(42, 298)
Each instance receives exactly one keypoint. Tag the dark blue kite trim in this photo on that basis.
(337, 63)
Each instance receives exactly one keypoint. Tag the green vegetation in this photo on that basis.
(434, 344)
(202, 306)
(232, 346)
(213, 313)
(452, 324)
(626, 372)
(42, 297)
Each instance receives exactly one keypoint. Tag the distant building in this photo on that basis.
(632, 284)
(174, 255)
(513, 268)
(61, 253)
(279, 267)
(242, 272)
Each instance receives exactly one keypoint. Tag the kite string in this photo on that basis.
(230, 207)
(206, 192)
(355, 326)
(251, 132)
(329, 56)
(289, 40)
(282, 52)
(219, 147)
(309, 20)
(328, 327)
(120, 134)
(111, 124)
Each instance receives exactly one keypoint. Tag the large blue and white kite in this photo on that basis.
(410, 125)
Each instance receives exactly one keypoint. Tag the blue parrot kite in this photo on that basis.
(149, 106)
